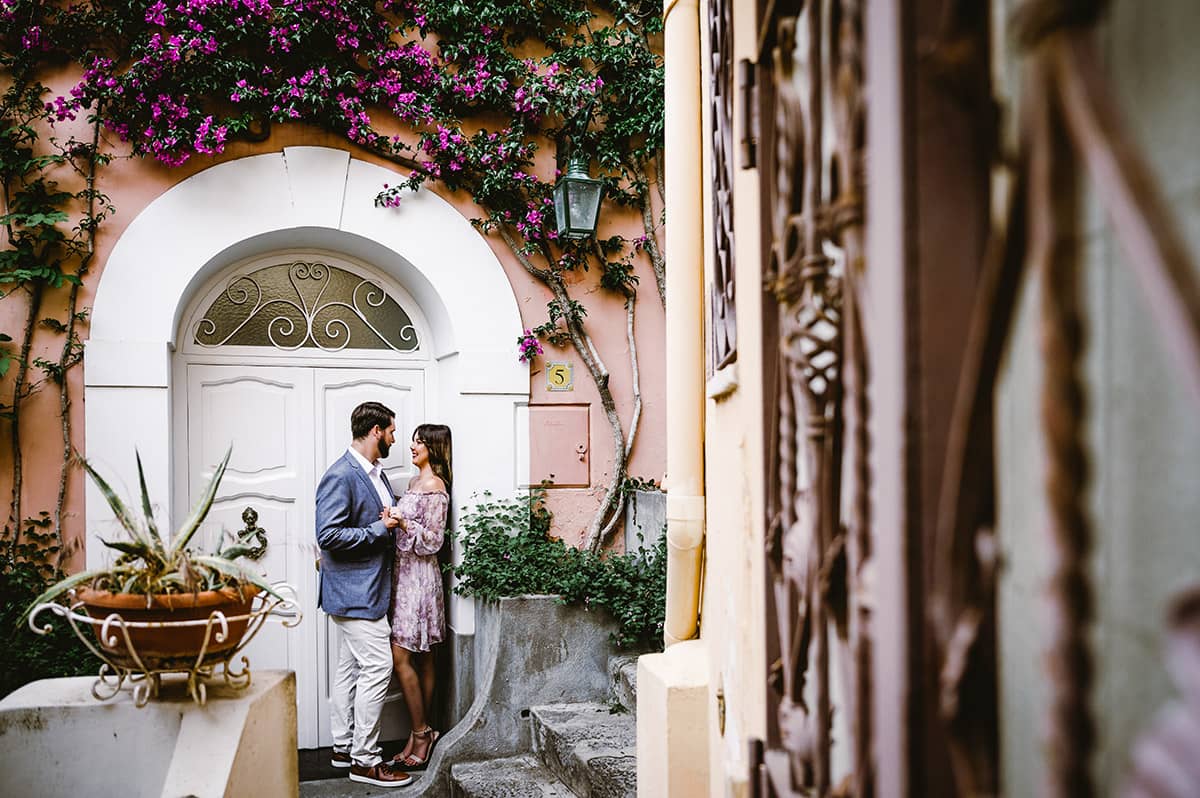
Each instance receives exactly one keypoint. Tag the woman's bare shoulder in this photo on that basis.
(430, 484)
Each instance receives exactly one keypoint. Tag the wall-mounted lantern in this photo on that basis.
(577, 200)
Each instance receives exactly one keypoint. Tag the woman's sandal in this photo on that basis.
(412, 761)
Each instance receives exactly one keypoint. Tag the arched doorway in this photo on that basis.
(271, 358)
(147, 374)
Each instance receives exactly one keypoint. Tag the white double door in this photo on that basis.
(287, 425)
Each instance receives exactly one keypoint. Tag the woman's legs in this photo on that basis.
(410, 684)
(416, 674)
(425, 667)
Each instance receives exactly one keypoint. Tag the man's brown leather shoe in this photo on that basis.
(380, 775)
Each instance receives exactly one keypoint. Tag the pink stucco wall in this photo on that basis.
(132, 184)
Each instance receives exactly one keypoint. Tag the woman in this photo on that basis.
(417, 612)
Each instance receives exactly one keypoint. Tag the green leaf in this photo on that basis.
(147, 510)
(61, 587)
(118, 507)
(237, 571)
(35, 219)
(236, 551)
(136, 548)
(174, 579)
(185, 532)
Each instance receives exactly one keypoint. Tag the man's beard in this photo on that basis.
(384, 448)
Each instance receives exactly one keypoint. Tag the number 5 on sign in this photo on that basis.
(560, 377)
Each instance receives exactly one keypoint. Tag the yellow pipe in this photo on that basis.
(685, 319)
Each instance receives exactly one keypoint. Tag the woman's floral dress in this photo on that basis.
(417, 610)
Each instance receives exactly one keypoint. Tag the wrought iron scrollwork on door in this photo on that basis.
(818, 543)
(299, 304)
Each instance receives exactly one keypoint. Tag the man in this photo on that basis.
(355, 589)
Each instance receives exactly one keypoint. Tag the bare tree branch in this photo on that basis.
(599, 373)
(402, 160)
(657, 262)
(659, 182)
(619, 507)
(630, 301)
(541, 274)
(582, 343)
(19, 387)
(70, 356)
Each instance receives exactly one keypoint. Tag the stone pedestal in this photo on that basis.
(57, 740)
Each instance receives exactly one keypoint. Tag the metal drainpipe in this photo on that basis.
(685, 319)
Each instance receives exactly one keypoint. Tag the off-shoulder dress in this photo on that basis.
(417, 610)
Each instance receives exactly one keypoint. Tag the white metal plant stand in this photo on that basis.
(122, 662)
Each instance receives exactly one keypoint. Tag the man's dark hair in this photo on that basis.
(367, 416)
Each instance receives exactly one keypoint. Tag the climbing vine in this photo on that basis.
(50, 235)
(465, 94)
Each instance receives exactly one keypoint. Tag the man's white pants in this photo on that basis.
(360, 687)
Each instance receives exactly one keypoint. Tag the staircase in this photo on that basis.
(580, 750)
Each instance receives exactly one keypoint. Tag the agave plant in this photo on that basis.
(148, 565)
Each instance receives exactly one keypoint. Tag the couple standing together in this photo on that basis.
(381, 585)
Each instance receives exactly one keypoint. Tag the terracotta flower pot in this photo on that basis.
(163, 645)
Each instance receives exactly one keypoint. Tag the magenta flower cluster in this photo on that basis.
(210, 139)
(472, 79)
(32, 39)
(397, 77)
(528, 347)
(160, 98)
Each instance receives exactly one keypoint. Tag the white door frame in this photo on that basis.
(306, 197)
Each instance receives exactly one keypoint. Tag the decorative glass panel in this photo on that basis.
(300, 304)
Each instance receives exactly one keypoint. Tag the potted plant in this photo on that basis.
(154, 584)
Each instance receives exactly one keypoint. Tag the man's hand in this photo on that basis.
(389, 520)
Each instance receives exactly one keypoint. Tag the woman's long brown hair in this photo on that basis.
(436, 438)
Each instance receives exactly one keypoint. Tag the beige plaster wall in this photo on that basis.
(132, 184)
(1142, 432)
(673, 701)
(732, 615)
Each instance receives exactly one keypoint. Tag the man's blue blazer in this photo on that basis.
(356, 547)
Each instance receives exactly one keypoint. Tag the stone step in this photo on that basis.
(592, 749)
(622, 674)
(515, 777)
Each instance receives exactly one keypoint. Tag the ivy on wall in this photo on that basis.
(466, 94)
(507, 551)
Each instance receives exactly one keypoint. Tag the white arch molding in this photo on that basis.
(302, 197)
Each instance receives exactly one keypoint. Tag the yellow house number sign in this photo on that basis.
(560, 377)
